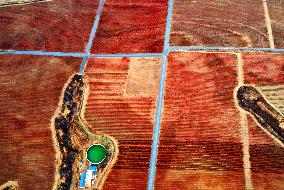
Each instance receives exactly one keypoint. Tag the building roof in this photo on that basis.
(83, 180)
(93, 167)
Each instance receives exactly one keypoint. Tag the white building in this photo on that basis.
(91, 175)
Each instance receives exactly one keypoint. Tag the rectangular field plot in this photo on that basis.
(55, 25)
(122, 104)
(266, 72)
(276, 12)
(30, 87)
(200, 143)
(231, 23)
(131, 27)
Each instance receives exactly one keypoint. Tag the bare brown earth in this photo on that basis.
(30, 87)
(200, 139)
(233, 23)
(128, 26)
(265, 71)
(122, 103)
(57, 25)
(276, 11)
